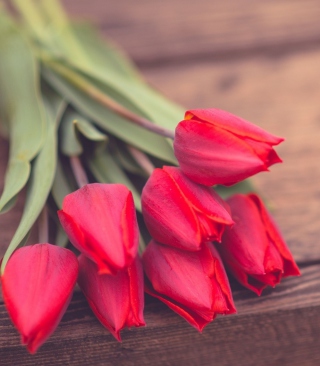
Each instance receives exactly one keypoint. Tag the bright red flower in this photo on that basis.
(100, 220)
(193, 284)
(181, 213)
(216, 147)
(37, 286)
(253, 249)
(117, 301)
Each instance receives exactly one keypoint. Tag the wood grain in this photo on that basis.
(157, 32)
(283, 325)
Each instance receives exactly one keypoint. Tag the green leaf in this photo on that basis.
(105, 169)
(73, 123)
(125, 159)
(111, 122)
(89, 131)
(106, 64)
(22, 106)
(8, 206)
(42, 175)
(244, 187)
(61, 237)
(104, 54)
(61, 185)
(29, 11)
(69, 142)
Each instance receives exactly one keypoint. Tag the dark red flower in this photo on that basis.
(181, 213)
(253, 249)
(216, 147)
(100, 221)
(116, 300)
(193, 284)
(37, 286)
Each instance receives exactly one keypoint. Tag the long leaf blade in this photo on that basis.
(22, 106)
(42, 175)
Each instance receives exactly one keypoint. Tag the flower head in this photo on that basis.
(37, 286)
(193, 284)
(216, 147)
(116, 300)
(181, 213)
(253, 250)
(100, 220)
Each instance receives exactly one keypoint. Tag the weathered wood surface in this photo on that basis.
(259, 60)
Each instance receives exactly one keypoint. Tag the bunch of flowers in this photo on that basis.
(79, 113)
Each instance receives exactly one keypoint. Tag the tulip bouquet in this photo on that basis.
(96, 147)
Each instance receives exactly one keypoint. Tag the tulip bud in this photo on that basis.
(181, 213)
(37, 286)
(253, 249)
(193, 284)
(117, 301)
(100, 221)
(216, 147)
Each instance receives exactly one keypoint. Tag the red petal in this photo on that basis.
(105, 215)
(167, 214)
(223, 301)
(190, 316)
(233, 124)
(210, 155)
(117, 300)
(179, 275)
(289, 266)
(246, 242)
(37, 286)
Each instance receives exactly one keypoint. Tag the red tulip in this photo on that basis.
(216, 147)
(37, 286)
(253, 249)
(181, 213)
(117, 301)
(193, 284)
(100, 220)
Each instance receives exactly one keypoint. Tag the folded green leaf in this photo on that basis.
(42, 175)
(22, 106)
(73, 123)
(89, 131)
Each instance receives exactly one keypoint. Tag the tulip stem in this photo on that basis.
(142, 159)
(142, 246)
(78, 171)
(88, 88)
(43, 226)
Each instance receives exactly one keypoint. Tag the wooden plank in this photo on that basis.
(280, 327)
(157, 32)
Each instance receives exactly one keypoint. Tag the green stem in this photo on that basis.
(82, 84)
(43, 227)
(142, 246)
(142, 159)
(78, 171)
